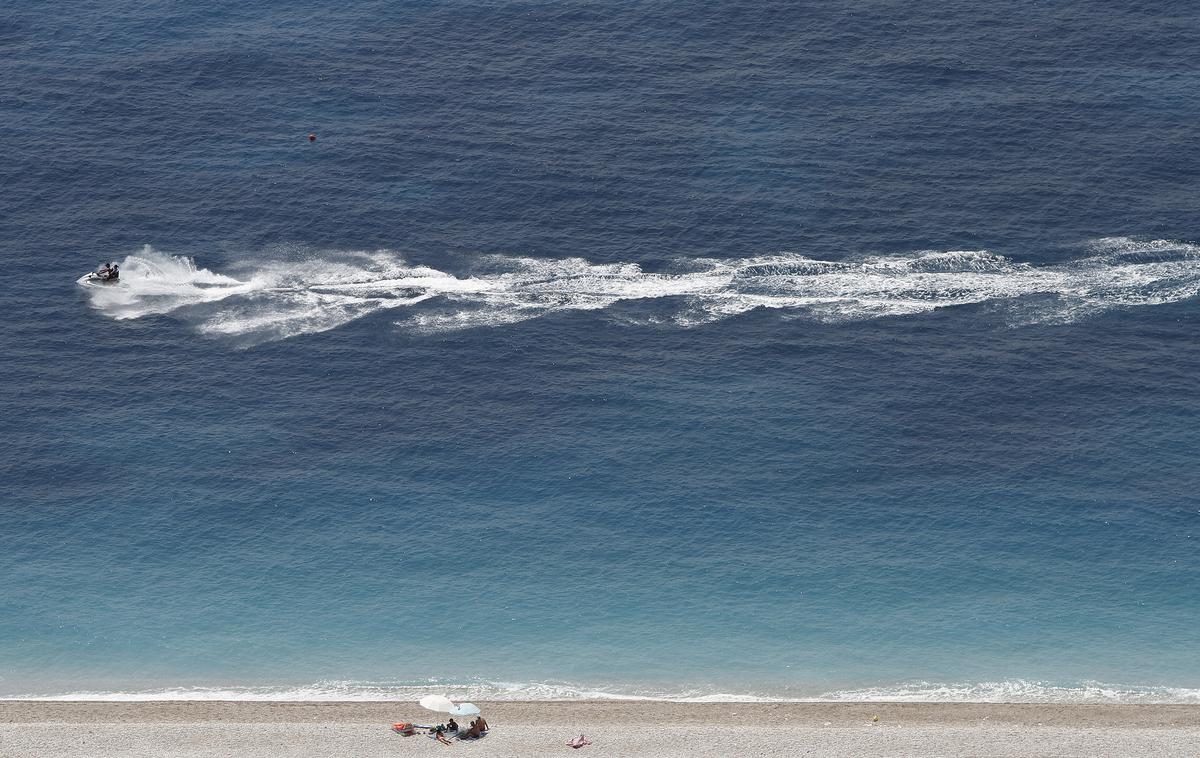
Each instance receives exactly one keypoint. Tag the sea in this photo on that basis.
(628, 349)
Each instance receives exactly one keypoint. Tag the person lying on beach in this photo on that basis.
(437, 735)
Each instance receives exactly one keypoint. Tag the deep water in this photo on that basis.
(754, 348)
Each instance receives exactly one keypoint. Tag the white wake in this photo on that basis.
(280, 300)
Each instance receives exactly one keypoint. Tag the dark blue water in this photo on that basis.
(785, 349)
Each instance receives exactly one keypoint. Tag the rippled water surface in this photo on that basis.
(591, 350)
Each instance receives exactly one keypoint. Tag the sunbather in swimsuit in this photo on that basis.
(478, 727)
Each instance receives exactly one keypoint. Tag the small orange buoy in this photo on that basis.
(312, 138)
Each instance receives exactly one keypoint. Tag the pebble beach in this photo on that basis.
(628, 728)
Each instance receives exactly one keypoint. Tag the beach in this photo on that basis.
(625, 728)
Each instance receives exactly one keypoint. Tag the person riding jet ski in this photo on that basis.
(108, 272)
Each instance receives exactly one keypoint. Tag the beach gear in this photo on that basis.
(405, 728)
(579, 741)
(465, 709)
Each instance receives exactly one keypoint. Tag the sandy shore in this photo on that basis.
(616, 729)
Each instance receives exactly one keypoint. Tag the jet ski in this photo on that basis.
(108, 273)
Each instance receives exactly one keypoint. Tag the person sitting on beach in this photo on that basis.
(452, 726)
(478, 727)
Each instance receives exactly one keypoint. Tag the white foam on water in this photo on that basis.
(1017, 691)
(153, 283)
(278, 300)
(1004, 691)
(355, 691)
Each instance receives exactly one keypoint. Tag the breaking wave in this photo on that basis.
(279, 300)
(357, 691)
(1008, 691)
(1017, 691)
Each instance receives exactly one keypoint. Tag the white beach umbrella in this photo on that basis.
(465, 709)
(437, 703)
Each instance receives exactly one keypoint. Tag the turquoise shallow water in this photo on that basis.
(624, 350)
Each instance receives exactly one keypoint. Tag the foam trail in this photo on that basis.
(280, 300)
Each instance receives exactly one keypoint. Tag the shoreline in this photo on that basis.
(602, 711)
(520, 728)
